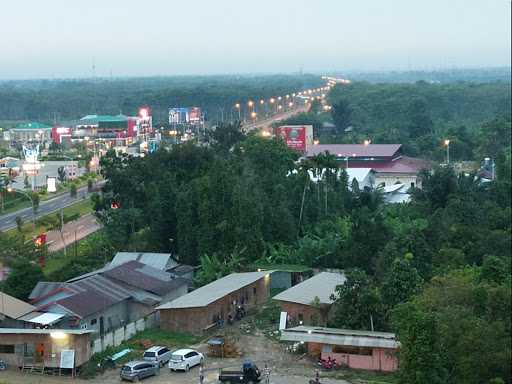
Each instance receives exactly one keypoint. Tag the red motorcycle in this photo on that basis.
(328, 364)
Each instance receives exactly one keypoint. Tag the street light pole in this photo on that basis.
(9, 189)
(447, 143)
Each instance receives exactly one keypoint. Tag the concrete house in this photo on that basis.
(42, 348)
(108, 298)
(204, 307)
(374, 351)
(310, 301)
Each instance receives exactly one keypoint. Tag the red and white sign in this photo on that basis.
(58, 133)
(194, 115)
(296, 137)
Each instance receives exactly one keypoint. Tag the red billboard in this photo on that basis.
(194, 115)
(295, 136)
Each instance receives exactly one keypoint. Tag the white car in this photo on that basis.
(184, 359)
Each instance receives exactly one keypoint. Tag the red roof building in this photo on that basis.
(387, 160)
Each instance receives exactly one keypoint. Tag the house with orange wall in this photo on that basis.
(367, 350)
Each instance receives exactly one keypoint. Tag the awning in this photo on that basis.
(46, 318)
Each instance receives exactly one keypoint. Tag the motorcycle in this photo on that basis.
(3, 365)
(328, 364)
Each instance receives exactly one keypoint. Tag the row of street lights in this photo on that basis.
(280, 103)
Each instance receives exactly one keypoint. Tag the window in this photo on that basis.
(254, 291)
(94, 321)
(352, 350)
(6, 348)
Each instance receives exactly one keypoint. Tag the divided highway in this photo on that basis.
(8, 221)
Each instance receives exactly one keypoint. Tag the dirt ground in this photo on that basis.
(285, 368)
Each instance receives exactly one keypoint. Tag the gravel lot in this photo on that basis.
(285, 368)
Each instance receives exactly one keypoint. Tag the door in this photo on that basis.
(39, 355)
(102, 326)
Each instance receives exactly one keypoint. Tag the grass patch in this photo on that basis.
(57, 262)
(159, 336)
(48, 222)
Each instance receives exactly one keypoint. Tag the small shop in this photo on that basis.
(366, 350)
(45, 349)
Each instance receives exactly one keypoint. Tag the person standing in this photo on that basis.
(266, 374)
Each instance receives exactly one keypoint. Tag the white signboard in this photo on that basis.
(67, 358)
(51, 184)
(282, 321)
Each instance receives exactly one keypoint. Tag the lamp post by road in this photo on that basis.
(250, 104)
(447, 144)
(237, 106)
(31, 198)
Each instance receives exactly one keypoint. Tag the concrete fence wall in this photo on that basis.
(117, 336)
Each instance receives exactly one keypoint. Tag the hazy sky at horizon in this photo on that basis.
(62, 38)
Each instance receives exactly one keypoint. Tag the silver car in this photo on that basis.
(136, 370)
(158, 354)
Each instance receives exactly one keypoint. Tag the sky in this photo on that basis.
(63, 38)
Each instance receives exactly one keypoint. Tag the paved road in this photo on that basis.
(73, 231)
(45, 207)
(280, 116)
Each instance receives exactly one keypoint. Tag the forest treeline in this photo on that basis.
(68, 100)
(420, 116)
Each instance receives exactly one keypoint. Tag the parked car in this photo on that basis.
(158, 354)
(184, 359)
(136, 370)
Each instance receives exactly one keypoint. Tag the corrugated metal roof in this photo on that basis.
(46, 318)
(13, 307)
(144, 277)
(44, 331)
(42, 288)
(359, 150)
(162, 261)
(86, 303)
(403, 164)
(214, 291)
(103, 286)
(336, 336)
(322, 286)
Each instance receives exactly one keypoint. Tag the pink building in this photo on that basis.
(372, 351)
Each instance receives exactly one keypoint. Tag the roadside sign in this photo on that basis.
(282, 321)
(67, 358)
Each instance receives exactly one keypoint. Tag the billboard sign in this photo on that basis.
(51, 184)
(296, 137)
(178, 115)
(194, 115)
